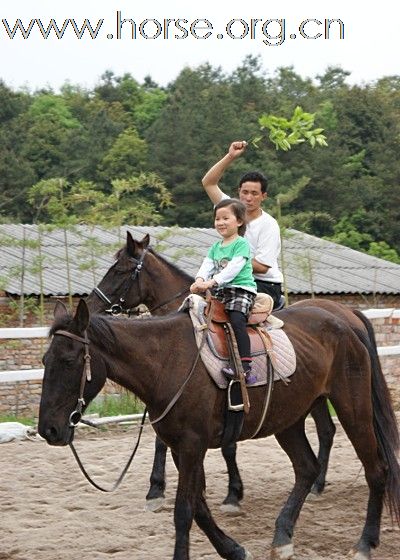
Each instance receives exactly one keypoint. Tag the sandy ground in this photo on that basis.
(49, 511)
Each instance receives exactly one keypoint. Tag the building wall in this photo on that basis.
(22, 398)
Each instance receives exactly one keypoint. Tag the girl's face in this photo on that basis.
(226, 223)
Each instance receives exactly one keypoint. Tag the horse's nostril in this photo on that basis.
(51, 434)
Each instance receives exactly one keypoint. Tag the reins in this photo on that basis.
(76, 415)
(184, 291)
(124, 470)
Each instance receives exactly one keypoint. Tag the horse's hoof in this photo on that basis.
(248, 555)
(312, 496)
(155, 504)
(231, 509)
(316, 490)
(358, 555)
(285, 552)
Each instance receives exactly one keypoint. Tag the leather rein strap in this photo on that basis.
(76, 415)
(182, 387)
(270, 379)
(124, 470)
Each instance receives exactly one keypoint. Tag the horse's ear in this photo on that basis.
(82, 316)
(134, 247)
(60, 310)
(145, 241)
(131, 245)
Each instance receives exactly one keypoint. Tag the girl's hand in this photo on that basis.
(201, 286)
(196, 287)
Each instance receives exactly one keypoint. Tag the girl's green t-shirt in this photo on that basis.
(222, 254)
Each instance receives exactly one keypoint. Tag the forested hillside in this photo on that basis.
(135, 152)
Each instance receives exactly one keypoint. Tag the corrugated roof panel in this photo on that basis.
(311, 264)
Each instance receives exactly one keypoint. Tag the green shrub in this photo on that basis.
(115, 405)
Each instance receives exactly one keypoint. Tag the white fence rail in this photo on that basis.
(11, 376)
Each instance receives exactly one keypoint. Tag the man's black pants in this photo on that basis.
(271, 288)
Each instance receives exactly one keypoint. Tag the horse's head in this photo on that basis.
(71, 378)
(122, 287)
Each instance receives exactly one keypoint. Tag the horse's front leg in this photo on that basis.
(155, 496)
(235, 486)
(190, 503)
(189, 464)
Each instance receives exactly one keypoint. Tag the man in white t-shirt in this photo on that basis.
(262, 230)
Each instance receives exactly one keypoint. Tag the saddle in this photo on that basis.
(258, 317)
(208, 334)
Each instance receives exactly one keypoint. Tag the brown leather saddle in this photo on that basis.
(216, 311)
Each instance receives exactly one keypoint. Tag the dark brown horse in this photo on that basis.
(142, 356)
(140, 275)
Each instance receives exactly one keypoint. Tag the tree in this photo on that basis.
(333, 79)
(137, 200)
(126, 157)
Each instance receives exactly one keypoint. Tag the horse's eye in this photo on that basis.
(69, 360)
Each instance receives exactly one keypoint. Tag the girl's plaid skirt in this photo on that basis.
(235, 299)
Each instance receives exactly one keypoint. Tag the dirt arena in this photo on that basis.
(49, 511)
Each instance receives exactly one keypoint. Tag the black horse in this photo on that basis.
(140, 275)
(155, 357)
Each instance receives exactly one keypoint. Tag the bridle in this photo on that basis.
(76, 415)
(119, 308)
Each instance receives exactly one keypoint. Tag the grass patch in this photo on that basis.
(115, 405)
(21, 420)
(332, 411)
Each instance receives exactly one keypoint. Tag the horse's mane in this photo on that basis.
(184, 275)
(172, 266)
(101, 332)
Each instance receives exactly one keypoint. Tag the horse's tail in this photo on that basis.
(379, 385)
(369, 328)
(385, 423)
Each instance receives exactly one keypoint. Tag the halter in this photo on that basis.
(76, 415)
(119, 308)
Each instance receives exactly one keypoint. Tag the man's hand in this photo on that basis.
(213, 175)
(236, 149)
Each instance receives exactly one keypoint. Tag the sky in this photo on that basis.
(362, 38)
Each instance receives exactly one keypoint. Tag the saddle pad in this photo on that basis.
(283, 356)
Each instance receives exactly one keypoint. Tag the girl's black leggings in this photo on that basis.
(239, 321)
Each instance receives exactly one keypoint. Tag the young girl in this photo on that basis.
(227, 271)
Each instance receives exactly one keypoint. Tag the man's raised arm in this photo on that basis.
(213, 175)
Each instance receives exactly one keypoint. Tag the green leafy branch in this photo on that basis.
(286, 133)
